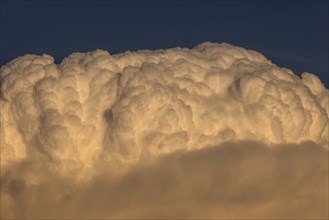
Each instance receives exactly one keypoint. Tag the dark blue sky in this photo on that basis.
(293, 34)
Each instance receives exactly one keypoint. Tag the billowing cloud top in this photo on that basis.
(95, 108)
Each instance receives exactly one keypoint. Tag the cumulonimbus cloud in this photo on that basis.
(213, 131)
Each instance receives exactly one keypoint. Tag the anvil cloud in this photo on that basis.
(212, 131)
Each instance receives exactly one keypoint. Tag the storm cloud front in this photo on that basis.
(215, 131)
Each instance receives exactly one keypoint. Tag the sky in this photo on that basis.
(215, 131)
(292, 34)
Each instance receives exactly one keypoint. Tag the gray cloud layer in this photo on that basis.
(214, 131)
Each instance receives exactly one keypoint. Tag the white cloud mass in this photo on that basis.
(216, 131)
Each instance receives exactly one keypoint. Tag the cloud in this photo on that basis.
(232, 180)
(212, 131)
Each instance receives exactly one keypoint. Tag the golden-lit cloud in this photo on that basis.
(213, 131)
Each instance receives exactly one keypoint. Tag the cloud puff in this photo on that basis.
(214, 131)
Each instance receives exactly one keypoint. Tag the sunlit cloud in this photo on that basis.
(212, 131)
